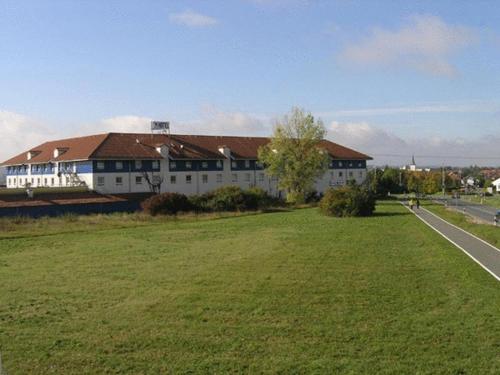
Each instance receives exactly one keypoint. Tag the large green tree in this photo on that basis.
(293, 155)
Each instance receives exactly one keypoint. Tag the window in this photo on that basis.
(38, 181)
(204, 178)
(173, 180)
(119, 180)
(173, 165)
(204, 164)
(100, 165)
(188, 179)
(261, 177)
(157, 180)
(350, 174)
(188, 165)
(360, 164)
(219, 164)
(52, 181)
(340, 164)
(247, 163)
(258, 164)
(32, 180)
(156, 164)
(234, 165)
(138, 164)
(119, 165)
(219, 178)
(341, 174)
(45, 181)
(138, 180)
(360, 174)
(234, 177)
(350, 164)
(247, 177)
(100, 181)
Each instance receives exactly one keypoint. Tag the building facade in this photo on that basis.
(116, 163)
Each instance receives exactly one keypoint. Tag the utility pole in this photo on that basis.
(443, 184)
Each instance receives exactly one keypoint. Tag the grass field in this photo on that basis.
(485, 231)
(286, 292)
(493, 201)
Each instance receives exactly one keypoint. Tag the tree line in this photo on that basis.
(396, 181)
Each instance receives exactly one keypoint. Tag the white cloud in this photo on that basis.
(118, 124)
(19, 133)
(388, 148)
(470, 107)
(217, 122)
(192, 19)
(426, 44)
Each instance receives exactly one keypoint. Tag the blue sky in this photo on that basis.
(390, 77)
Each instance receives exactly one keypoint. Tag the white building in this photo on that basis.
(496, 185)
(413, 167)
(116, 163)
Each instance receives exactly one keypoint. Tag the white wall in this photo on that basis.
(244, 179)
(3, 176)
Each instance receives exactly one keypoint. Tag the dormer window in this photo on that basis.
(188, 165)
(59, 151)
(204, 164)
(219, 164)
(31, 154)
(247, 163)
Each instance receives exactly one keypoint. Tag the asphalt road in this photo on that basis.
(479, 211)
(486, 255)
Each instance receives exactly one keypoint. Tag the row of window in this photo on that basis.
(101, 180)
(39, 181)
(100, 165)
(349, 164)
(340, 174)
(218, 178)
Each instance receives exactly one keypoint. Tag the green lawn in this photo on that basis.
(487, 232)
(493, 201)
(286, 292)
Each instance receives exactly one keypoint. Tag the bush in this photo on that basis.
(348, 201)
(313, 197)
(227, 198)
(166, 204)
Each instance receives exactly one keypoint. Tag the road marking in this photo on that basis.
(453, 242)
(463, 230)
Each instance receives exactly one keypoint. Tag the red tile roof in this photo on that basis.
(143, 146)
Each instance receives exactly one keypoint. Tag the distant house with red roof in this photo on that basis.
(190, 164)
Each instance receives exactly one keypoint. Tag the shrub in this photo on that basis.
(348, 201)
(226, 198)
(166, 204)
(313, 197)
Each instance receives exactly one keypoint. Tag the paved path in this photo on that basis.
(479, 211)
(486, 255)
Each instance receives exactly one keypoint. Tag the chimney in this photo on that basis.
(163, 150)
(226, 151)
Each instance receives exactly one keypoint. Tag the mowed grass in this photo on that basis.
(493, 201)
(486, 231)
(287, 292)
